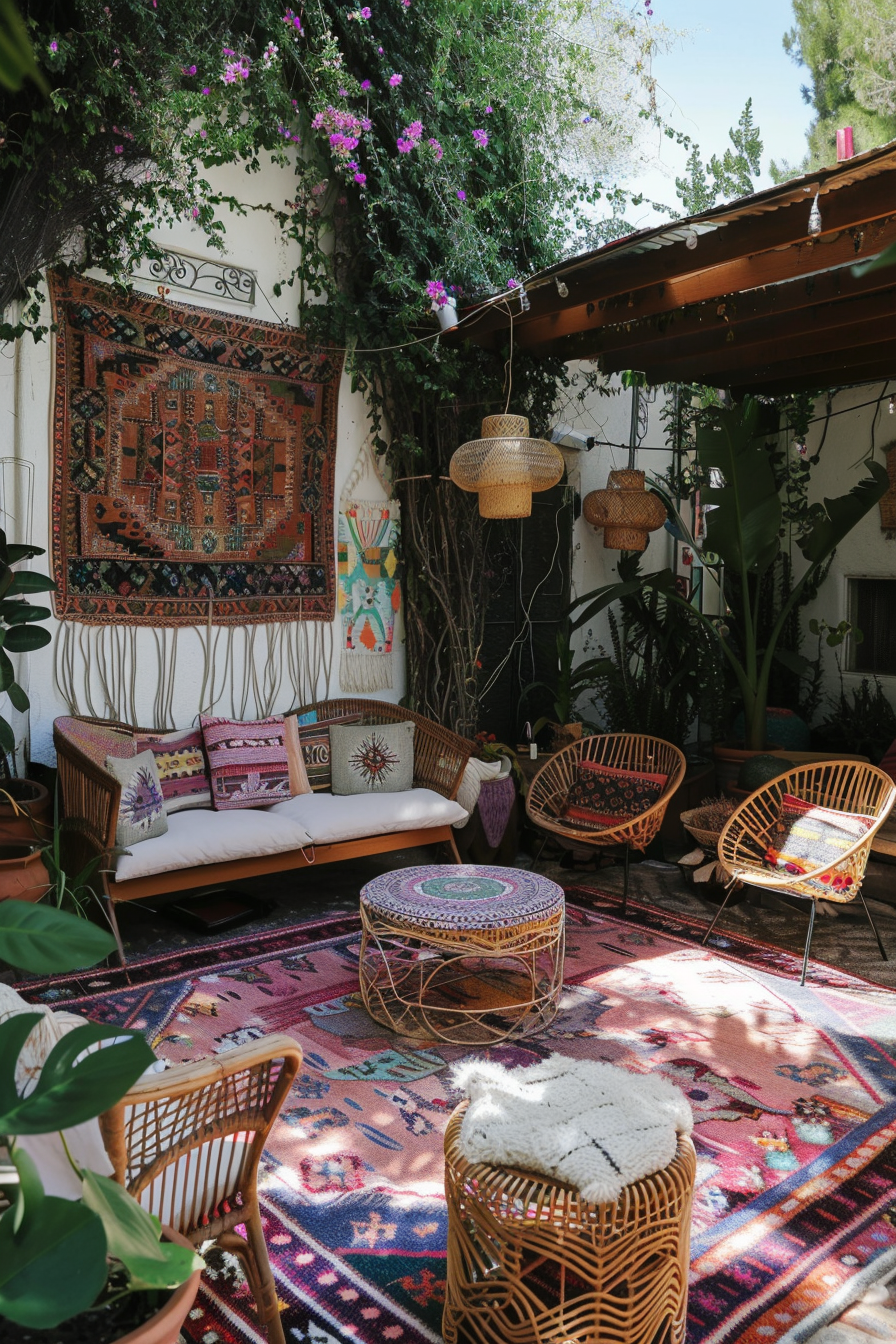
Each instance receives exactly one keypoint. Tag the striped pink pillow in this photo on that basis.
(253, 764)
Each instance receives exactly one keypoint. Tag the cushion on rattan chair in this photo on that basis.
(807, 837)
(192, 1189)
(605, 795)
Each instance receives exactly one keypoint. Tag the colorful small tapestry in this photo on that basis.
(368, 573)
(194, 456)
(141, 809)
(183, 773)
(604, 795)
(253, 764)
(809, 837)
(315, 743)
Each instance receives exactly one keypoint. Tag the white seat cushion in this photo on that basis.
(329, 818)
(202, 836)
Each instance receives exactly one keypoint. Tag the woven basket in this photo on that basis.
(626, 511)
(888, 501)
(505, 466)
(691, 822)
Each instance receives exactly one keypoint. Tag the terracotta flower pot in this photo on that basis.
(164, 1327)
(32, 817)
(23, 875)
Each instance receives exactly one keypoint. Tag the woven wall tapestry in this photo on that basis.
(367, 567)
(194, 455)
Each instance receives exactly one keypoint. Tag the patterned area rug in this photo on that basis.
(793, 1090)
(194, 460)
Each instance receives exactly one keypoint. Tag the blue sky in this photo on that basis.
(732, 51)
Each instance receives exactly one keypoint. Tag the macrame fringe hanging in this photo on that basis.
(130, 675)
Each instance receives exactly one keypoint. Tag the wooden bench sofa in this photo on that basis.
(90, 796)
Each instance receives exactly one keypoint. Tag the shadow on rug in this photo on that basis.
(793, 1092)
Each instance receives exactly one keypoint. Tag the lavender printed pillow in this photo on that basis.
(141, 811)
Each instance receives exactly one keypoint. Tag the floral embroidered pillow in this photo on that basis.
(253, 764)
(808, 837)
(604, 796)
(372, 758)
(183, 773)
(141, 811)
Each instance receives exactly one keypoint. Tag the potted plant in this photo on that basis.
(61, 1258)
(27, 803)
(744, 520)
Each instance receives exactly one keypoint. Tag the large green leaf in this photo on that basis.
(886, 258)
(842, 514)
(18, 697)
(17, 61)
(52, 1254)
(45, 941)
(19, 613)
(23, 581)
(74, 1086)
(16, 553)
(745, 519)
(593, 603)
(25, 638)
(133, 1237)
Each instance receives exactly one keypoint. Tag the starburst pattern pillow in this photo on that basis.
(141, 811)
(372, 758)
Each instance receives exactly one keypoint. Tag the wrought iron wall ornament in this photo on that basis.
(201, 275)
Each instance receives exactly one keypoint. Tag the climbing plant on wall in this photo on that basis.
(458, 144)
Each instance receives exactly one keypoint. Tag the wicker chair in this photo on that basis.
(625, 751)
(187, 1143)
(846, 786)
(531, 1262)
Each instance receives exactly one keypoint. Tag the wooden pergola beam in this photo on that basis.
(750, 272)
(863, 364)
(607, 275)
(815, 295)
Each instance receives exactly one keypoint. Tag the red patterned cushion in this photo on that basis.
(183, 773)
(315, 740)
(808, 837)
(604, 795)
(255, 763)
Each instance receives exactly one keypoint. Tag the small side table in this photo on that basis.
(531, 1262)
(466, 954)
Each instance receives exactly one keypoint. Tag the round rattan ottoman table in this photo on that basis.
(532, 1262)
(462, 953)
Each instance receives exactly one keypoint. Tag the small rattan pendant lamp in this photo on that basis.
(505, 466)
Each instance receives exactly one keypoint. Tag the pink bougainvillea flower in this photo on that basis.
(395, 80)
(343, 93)
(206, 92)
(228, 51)
(481, 138)
(512, 284)
(414, 131)
(361, 179)
(195, 212)
(404, 145)
(365, 85)
(365, 12)
(461, 195)
(435, 290)
(188, 69)
(436, 149)
(379, 51)
(119, 149)
(203, 135)
(489, 110)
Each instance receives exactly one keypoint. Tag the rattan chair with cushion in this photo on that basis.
(750, 840)
(549, 792)
(187, 1143)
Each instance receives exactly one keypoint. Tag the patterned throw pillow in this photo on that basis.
(315, 740)
(808, 837)
(254, 763)
(372, 758)
(141, 812)
(180, 761)
(604, 795)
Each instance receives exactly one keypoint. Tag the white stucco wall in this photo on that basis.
(254, 242)
(867, 552)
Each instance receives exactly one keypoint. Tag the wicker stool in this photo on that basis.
(531, 1262)
(462, 953)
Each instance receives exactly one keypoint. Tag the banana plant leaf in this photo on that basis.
(743, 526)
(842, 514)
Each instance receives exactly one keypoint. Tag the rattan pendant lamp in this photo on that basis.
(505, 466)
(625, 509)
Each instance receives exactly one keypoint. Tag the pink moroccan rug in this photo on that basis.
(793, 1091)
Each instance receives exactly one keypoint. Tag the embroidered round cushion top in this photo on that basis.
(463, 896)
